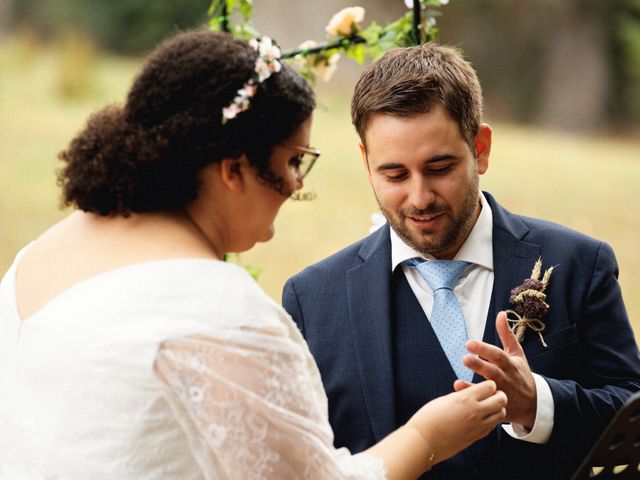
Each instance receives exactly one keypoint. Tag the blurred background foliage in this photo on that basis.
(571, 64)
(119, 26)
(562, 90)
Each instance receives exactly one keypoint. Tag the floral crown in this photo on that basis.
(267, 63)
(313, 59)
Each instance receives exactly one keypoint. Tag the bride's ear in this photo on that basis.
(232, 171)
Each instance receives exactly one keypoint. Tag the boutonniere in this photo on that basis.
(528, 301)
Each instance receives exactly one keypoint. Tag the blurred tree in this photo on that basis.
(626, 104)
(584, 61)
(4, 16)
(571, 64)
(122, 26)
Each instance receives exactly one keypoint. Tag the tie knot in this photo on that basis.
(441, 273)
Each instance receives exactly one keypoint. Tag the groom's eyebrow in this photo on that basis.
(389, 166)
(434, 159)
(440, 158)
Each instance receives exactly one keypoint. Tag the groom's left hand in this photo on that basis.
(509, 369)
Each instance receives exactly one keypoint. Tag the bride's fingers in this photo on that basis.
(496, 417)
(460, 385)
(493, 403)
(482, 390)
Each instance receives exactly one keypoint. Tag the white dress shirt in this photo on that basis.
(473, 290)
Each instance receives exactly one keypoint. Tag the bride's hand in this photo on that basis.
(453, 422)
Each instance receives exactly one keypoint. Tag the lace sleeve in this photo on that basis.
(252, 406)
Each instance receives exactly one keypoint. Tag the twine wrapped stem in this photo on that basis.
(520, 324)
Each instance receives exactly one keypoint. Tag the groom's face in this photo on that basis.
(425, 178)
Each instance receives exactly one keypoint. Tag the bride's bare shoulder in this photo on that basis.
(83, 245)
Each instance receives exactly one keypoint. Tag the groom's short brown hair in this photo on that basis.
(409, 81)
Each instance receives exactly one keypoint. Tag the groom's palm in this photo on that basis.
(509, 369)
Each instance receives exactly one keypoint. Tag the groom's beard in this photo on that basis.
(452, 232)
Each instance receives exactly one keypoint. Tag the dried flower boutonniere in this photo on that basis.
(529, 304)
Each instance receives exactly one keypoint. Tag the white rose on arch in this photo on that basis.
(321, 65)
(326, 69)
(346, 22)
(409, 3)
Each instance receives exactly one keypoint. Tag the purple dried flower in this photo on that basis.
(531, 303)
(532, 284)
(533, 307)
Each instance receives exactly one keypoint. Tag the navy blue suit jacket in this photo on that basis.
(342, 307)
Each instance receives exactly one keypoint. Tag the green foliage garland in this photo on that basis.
(319, 59)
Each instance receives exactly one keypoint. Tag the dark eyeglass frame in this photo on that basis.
(315, 154)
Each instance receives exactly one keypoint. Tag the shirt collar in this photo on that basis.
(476, 249)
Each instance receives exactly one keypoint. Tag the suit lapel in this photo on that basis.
(369, 294)
(513, 259)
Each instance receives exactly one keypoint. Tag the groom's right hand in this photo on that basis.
(510, 370)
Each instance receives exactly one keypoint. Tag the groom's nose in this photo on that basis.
(420, 194)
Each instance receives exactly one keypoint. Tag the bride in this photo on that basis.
(129, 349)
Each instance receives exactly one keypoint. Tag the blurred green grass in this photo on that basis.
(589, 183)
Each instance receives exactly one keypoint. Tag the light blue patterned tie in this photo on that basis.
(447, 319)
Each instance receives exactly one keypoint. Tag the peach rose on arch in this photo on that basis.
(346, 22)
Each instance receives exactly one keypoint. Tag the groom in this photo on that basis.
(391, 319)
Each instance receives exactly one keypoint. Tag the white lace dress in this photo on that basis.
(172, 369)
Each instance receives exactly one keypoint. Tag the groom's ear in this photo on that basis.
(482, 147)
(363, 151)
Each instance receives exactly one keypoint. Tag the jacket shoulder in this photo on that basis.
(336, 264)
(545, 231)
(535, 230)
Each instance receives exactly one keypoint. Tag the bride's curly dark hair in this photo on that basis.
(147, 155)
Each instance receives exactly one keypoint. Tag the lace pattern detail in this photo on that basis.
(252, 404)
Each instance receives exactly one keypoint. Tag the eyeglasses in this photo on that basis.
(303, 162)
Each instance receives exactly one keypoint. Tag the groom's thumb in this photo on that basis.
(509, 341)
